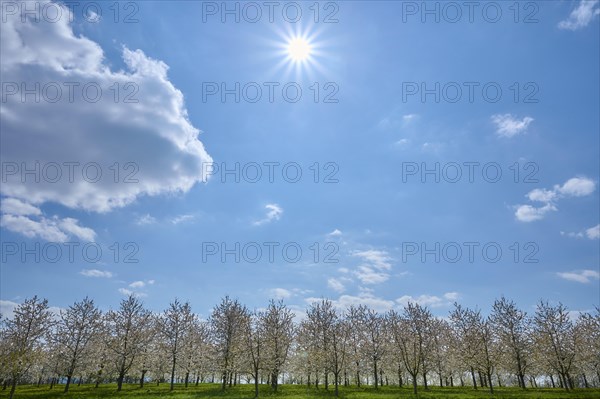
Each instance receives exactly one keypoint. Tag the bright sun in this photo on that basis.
(299, 49)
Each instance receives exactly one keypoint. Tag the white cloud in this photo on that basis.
(14, 206)
(363, 298)
(126, 292)
(45, 229)
(574, 187)
(335, 233)
(7, 308)
(137, 284)
(402, 142)
(336, 285)
(379, 259)
(541, 195)
(152, 138)
(429, 300)
(581, 16)
(509, 126)
(35, 225)
(280, 293)
(145, 220)
(432, 147)
(182, 219)
(409, 117)
(96, 273)
(72, 227)
(572, 234)
(580, 276)
(452, 296)
(593, 233)
(274, 212)
(368, 275)
(528, 213)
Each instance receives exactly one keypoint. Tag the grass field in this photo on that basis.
(287, 391)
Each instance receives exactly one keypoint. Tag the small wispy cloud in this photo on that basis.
(574, 187)
(182, 218)
(510, 126)
(96, 273)
(336, 285)
(430, 300)
(581, 16)
(274, 212)
(335, 233)
(409, 117)
(127, 292)
(280, 293)
(580, 276)
(593, 233)
(145, 220)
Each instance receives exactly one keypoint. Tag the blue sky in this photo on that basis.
(371, 135)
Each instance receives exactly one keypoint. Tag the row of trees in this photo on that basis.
(328, 346)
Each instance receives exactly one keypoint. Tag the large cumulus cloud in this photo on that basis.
(150, 137)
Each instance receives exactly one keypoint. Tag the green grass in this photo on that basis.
(151, 391)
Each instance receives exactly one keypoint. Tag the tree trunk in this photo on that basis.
(414, 381)
(173, 373)
(274, 380)
(256, 383)
(142, 378)
(473, 377)
(120, 382)
(399, 376)
(375, 372)
(13, 386)
(68, 384)
(489, 376)
(336, 375)
(187, 378)
(224, 381)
